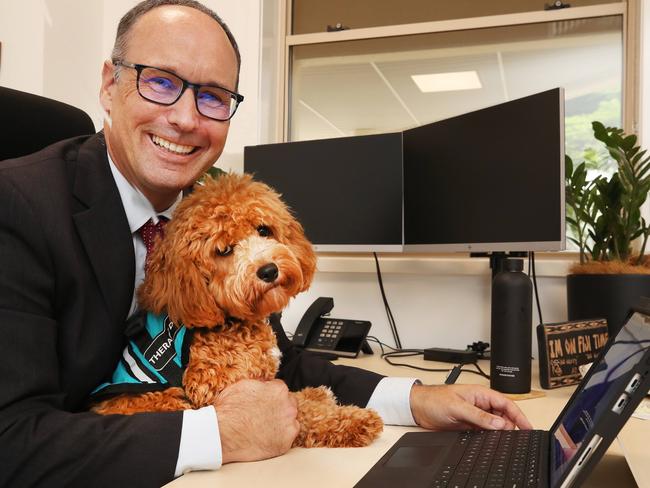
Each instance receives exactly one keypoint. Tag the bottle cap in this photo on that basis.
(513, 265)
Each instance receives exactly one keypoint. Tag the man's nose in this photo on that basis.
(183, 113)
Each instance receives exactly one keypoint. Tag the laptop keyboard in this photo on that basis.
(492, 459)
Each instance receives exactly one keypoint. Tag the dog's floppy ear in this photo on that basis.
(303, 250)
(175, 285)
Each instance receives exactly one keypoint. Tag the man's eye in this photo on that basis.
(211, 98)
(264, 231)
(226, 251)
(159, 83)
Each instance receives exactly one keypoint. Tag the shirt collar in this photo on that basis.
(138, 209)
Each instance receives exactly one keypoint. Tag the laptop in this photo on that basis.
(560, 458)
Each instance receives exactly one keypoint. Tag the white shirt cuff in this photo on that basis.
(200, 447)
(391, 401)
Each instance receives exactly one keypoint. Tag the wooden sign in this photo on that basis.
(565, 346)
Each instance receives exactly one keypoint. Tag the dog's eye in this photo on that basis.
(225, 251)
(264, 231)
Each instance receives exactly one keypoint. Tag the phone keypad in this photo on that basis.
(329, 334)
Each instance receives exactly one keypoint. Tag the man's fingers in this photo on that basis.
(510, 411)
(500, 405)
(495, 419)
(486, 420)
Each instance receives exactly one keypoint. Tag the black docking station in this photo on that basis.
(457, 356)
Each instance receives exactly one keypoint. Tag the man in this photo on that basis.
(71, 257)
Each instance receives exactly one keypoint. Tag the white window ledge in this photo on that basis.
(546, 264)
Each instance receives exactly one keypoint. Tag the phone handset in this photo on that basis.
(327, 335)
(320, 307)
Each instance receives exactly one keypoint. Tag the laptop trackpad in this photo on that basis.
(417, 456)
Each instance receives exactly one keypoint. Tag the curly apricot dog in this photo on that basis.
(232, 255)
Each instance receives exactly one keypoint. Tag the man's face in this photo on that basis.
(163, 149)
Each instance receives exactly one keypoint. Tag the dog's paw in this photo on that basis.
(320, 394)
(337, 426)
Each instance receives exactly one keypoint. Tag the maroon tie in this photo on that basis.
(149, 232)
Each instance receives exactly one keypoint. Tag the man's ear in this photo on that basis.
(107, 90)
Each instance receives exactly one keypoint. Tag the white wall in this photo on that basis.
(55, 48)
(21, 35)
(431, 310)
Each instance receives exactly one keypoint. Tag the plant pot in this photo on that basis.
(609, 296)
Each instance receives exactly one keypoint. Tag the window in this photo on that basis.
(379, 85)
(369, 84)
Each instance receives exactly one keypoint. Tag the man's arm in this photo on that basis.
(443, 407)
(43, 446)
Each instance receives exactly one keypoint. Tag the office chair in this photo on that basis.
(31, 122)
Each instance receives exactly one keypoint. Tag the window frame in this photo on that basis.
(629, 11)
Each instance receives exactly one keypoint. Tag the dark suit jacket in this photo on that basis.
(66, 278)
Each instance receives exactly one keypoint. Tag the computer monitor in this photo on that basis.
(485, 181)
(346, 192)
(489, 180)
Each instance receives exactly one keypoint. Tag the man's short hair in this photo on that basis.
(127, 21)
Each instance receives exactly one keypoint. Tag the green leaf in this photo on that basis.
(212, 172)
(576, 242)
(568, 166)
(628, 143)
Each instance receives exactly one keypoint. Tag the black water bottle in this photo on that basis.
(511, 332)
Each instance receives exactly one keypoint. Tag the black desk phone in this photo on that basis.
(341, 337)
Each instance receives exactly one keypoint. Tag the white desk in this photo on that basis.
(327, 468)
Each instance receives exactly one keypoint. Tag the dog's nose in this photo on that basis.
(268, 273)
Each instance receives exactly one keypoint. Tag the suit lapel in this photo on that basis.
(103, 227)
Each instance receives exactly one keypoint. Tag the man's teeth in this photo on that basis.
(170, 146)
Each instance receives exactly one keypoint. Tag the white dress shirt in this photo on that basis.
(200, 446)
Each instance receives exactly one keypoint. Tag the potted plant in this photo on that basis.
(609, 230)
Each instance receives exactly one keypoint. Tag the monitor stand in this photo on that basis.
(497, 258)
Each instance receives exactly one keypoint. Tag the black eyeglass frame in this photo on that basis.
(186, 84)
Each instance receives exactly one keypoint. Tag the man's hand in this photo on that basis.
(257, 420)
(462, 407)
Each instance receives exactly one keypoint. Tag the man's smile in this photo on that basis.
(171, 146)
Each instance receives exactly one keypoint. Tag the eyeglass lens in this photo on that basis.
(165, 88)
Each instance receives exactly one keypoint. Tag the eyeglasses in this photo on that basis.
(165, 88)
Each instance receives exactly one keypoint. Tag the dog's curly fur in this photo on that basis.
(204, 271)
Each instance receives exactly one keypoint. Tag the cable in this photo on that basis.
(453, 375)
(531, 262)
(457, 370)
(389, 313)
(480, 371)
(386, 357)
(381, 344)
(402, 353)
(398, 353)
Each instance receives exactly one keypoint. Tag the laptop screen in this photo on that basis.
(595, 397)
